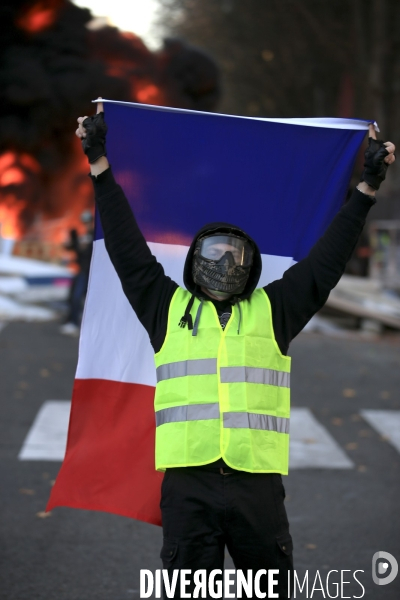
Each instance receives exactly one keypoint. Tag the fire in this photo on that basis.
(26, 203)
(13, 166)
(11, 175)
(6, 160)
(74, 192)
(149, 94)
(39, 17)
(9, 221)
(44, 186)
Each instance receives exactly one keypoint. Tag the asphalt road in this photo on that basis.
(339, 517)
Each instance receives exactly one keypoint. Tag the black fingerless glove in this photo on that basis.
(374, 165)
(94, 144)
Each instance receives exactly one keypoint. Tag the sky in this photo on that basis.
(128, 15)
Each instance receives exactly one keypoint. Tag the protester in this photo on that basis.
(82, 247)
(222, 394)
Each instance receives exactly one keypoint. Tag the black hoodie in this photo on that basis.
(302, 291)
(223, 307)
(223, 228)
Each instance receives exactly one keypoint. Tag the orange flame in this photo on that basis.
(26, 208)
(11, 174)
(149, 94)
(39, 17)
(12, 168)
(9, 220)
(41, 206)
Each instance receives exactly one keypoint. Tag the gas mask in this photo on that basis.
(222, 264)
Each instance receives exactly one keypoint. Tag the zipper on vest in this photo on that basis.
(222, 407)
(240, 315)
(197, 319)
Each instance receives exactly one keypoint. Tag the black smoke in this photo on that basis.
(52, 65)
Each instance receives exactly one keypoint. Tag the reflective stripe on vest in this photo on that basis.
(234, 420)
(255, 375)
(182, 368)
(208, 366)
(188, 412)
(243, 420)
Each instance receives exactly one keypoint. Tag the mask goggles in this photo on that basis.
(234, 250)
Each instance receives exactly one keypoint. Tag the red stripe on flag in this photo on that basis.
(109, 462)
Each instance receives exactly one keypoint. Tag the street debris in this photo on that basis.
(43, 514)
(10, 310)
(24, 282)
(349, 393)
(368, 299)
(351, 446)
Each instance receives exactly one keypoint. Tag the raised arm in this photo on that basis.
(305, 287)
(143, 280)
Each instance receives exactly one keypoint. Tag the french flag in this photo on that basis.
(281, 180)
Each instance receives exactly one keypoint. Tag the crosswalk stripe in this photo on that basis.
(385, 422)
(311, 445)
(47, 437)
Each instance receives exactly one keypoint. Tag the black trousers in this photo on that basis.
(204, 510)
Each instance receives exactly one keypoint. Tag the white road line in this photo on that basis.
(47, 437)
(385, 422)
(311, 446)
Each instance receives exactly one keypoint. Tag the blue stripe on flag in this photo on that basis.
(282, 183)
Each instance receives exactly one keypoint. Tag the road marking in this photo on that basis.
(311, 446)
(47, 437)
(385, 422)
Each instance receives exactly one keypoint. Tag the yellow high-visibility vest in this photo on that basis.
(223, 393)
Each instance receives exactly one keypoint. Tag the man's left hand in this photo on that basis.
(378, 156)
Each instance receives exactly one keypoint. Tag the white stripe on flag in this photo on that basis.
(273, 267)
(329, 122)
(385, 422)
(113, 343)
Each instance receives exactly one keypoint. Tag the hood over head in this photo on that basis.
(209, 229)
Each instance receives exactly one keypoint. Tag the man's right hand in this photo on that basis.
(92, 132)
